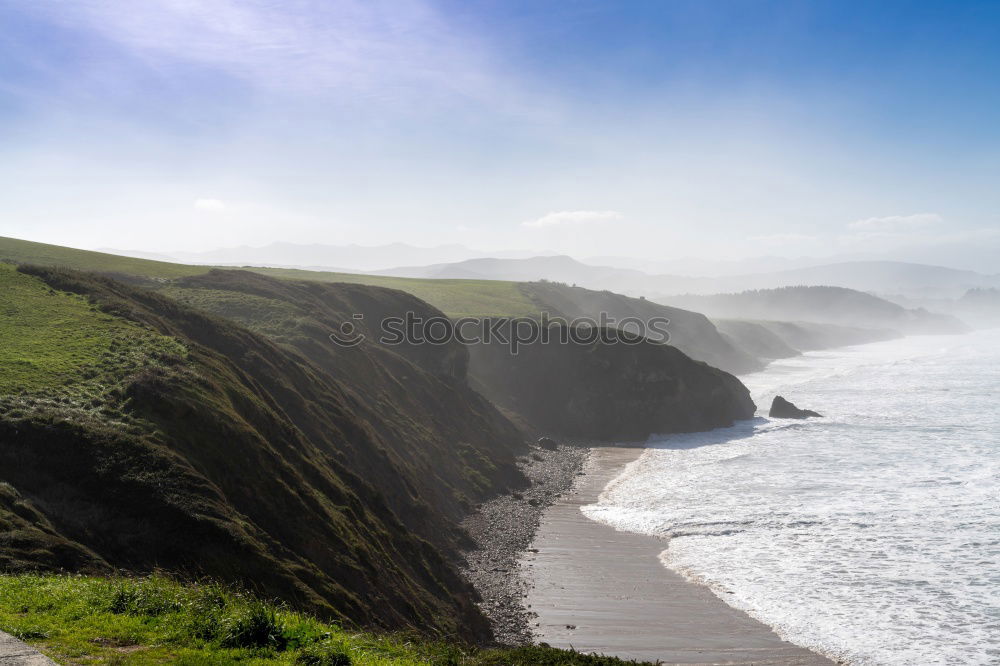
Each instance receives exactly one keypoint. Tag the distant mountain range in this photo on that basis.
(700, 267)
(823, 305)
(630, 276)
(320, 256)
(883, 277)
(558, 268)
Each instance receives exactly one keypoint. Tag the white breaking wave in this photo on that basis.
(872, 534)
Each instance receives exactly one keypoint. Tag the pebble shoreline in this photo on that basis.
(504, 527)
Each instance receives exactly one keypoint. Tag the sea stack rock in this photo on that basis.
(782, 409)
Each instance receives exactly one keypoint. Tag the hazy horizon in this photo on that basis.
(415, 255)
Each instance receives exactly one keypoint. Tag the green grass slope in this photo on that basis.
(54, 342)
(691, 332)
(171, 438)
(17, 251)
(77, 620)
(457, 298)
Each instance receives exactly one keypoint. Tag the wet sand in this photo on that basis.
(600, 590)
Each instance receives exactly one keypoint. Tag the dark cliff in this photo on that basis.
(691, 332)
(608, 389)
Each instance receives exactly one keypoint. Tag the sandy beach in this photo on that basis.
(596, 589)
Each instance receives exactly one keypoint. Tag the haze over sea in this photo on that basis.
(872, 534)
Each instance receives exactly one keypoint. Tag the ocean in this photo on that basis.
(872, 534)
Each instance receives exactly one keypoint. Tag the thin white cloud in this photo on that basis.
(210, 205)
(404, 49)
(894, 223)
(572, 218)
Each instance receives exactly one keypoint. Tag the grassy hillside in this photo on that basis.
(77, 619)
(169, 438)
(18, 251)
(56, 343)
(457, 298)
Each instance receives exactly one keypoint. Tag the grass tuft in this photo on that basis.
(325, 653)
(254, 624)
(151, 597)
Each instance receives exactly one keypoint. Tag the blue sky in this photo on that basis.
(650, 129)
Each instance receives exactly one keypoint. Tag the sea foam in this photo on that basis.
(872, 534)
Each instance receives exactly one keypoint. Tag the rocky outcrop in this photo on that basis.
(547, 443)
(782, 409)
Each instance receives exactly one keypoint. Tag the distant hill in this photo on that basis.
(784, 339)
(756, 339)
(557, 268)
(321, 256)
(628, 276)
(883, 277)
(700, 267)
(827, 305)
(979, 307)
(691, 332)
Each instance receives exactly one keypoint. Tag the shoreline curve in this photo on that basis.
(600, 590)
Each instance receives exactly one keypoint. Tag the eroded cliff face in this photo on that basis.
(691, 332)
(332, 478)
(608, 390)
(447, 447)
